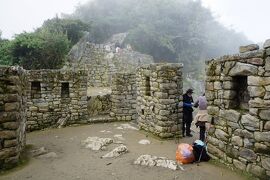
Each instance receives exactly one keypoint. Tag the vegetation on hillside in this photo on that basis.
(171, 30)
(46, 47)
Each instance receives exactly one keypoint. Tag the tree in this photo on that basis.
(73, 28)
(5, 56)
(40, 50)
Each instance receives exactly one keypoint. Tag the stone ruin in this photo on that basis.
(55, 98)
(37, 99)
(237, 88)
(159, 99)
(238, 93)
(12, 115)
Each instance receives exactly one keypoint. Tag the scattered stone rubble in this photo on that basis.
(96, 143)
(149, 160)
(144, 142)
(127, 126)
(116, 152)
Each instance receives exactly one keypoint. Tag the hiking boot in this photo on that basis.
(189, 135)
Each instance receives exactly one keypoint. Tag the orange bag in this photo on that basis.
(184, 153)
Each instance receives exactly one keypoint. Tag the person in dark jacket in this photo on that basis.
(187, 112)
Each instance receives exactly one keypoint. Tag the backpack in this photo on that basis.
(200, 151)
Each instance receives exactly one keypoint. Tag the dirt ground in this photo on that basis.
(75, 162)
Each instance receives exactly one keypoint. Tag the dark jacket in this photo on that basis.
(187, 104)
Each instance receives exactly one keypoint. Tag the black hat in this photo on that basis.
(190, 91)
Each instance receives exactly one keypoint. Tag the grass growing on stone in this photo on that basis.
(247, 175)
(24, 160)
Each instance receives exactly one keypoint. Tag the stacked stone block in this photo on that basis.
(55, 95)
(124, 97)
(238, 93)
(159, 99)
(12, 115)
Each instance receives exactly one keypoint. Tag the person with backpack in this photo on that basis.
(201, 117)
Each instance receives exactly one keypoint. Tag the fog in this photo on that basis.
(247, 16)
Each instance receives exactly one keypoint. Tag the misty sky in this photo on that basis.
(248, 16)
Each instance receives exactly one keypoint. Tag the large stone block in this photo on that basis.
(250, 122)
(265, 114)
(266, 163)
(256, 91)
(258, 81)
(8, 134)
(237, 140)
(248, 154)
(230, 115)
(242, 69)
(266, 44)
(213, 110)
(262, 136)
(267, 125)
(250, 47)
(257, 170)
(221, 135)
(261, 148)
(243, 133)
(256, 61)
(259, 103)
(12, 106)
(239, 165)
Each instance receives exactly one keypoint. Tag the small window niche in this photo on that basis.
(35, 90)
(147, 86)
(65, 90)
(242, 94)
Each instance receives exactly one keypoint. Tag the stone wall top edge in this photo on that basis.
(11, 70)
(239, 57)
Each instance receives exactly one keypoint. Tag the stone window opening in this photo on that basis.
(242, 94)
(35, 89)
(65, 90)
(147, 86)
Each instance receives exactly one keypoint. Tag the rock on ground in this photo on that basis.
(144, 142)
(127, 126)
(38, 152)
(149, 160)
(96, 143)
(49, 155)
(118, 151)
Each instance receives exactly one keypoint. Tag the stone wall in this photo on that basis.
(55, 97)
(12, 115)
(124, 97)
(238, 92)
(159, 99)
(102, 61)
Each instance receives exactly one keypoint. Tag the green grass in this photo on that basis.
(24, 161)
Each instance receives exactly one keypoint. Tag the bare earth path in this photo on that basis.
(76, 162)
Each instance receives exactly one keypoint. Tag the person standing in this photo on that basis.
(187, 112)
(201, 117)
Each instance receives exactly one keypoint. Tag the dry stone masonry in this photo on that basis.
(238, 92)
(159, 95)
(124, 97)
(56, 97)
(12, 115)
